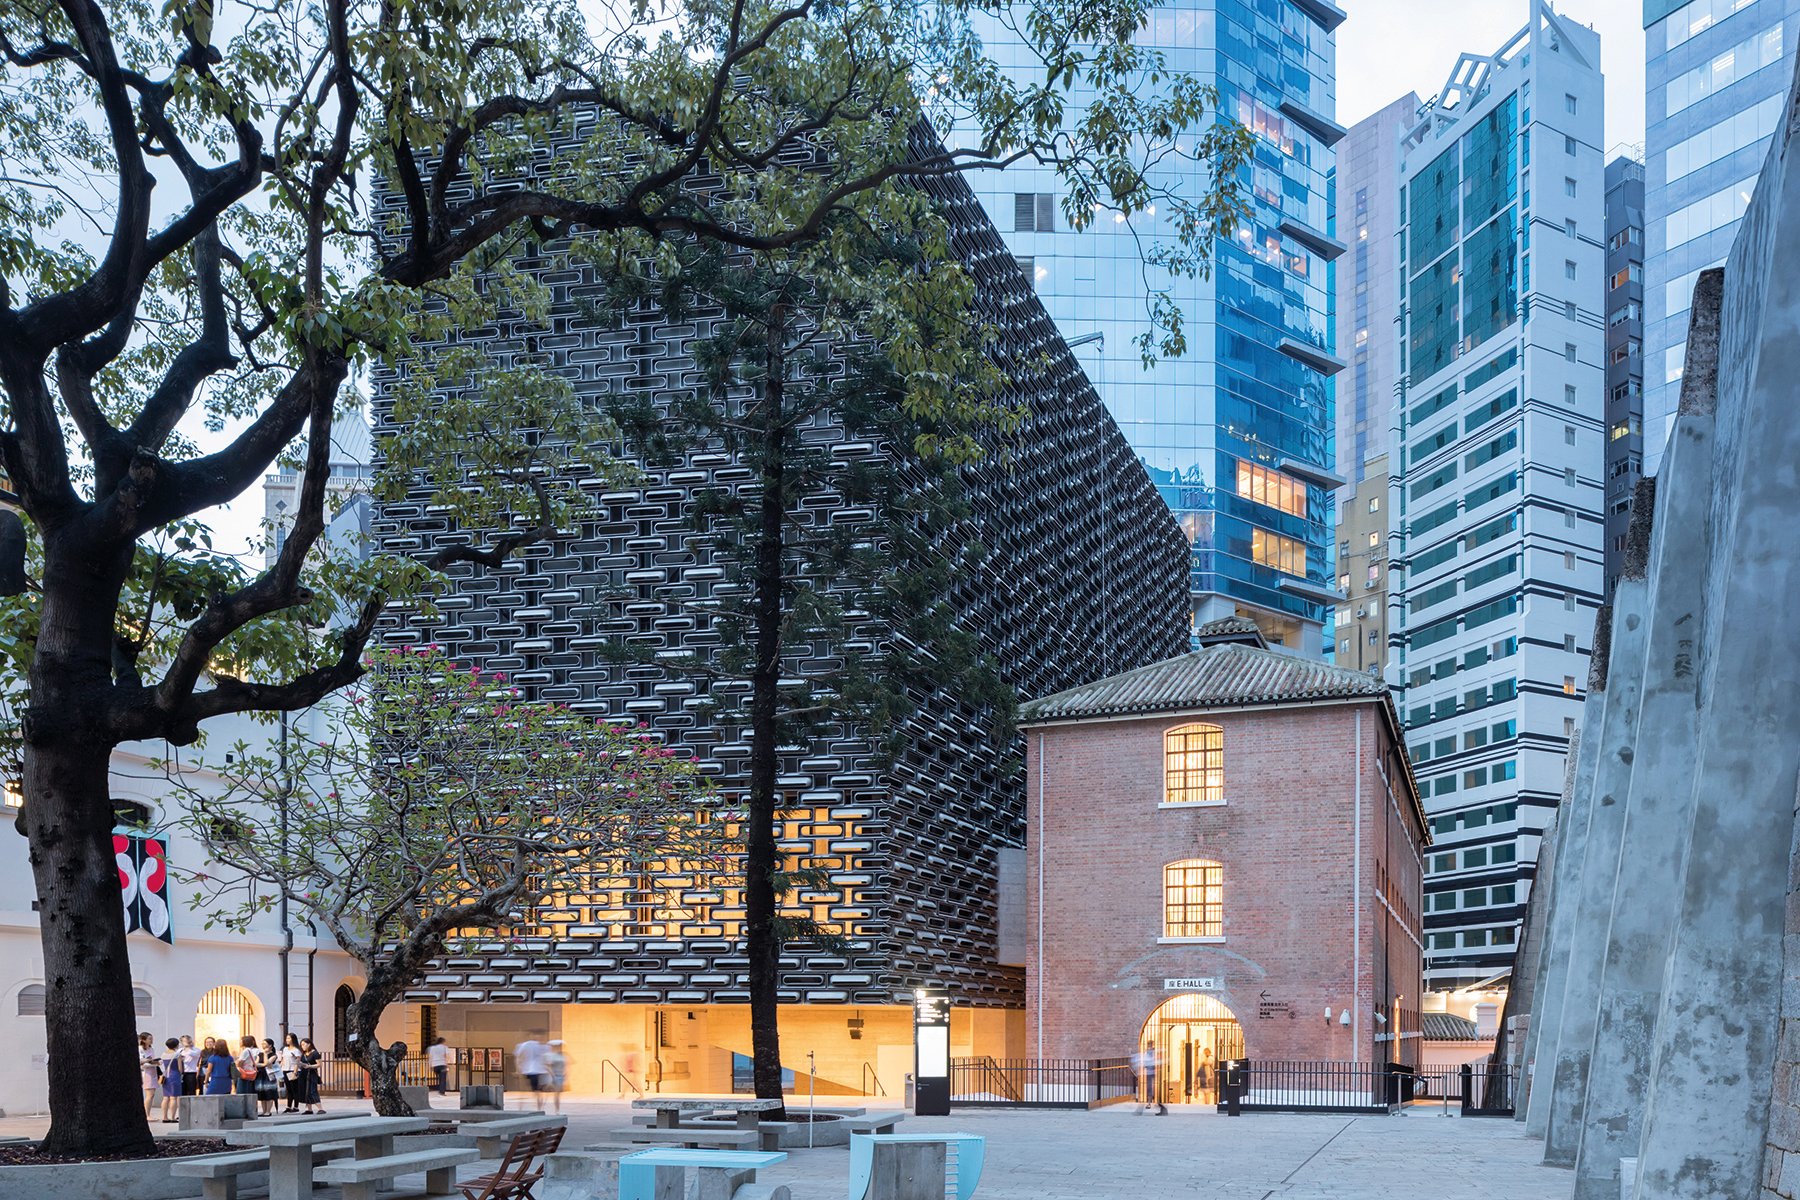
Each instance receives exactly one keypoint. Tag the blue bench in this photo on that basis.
(964, 1154)
(637, 1172)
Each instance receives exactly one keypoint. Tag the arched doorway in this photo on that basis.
(1193, 1034)
(340, 1019)
(226, 1012)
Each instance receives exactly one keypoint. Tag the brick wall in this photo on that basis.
(1285, 837)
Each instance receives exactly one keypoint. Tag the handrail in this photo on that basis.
(868, 1075)
(991, 1070)
(623, 1080)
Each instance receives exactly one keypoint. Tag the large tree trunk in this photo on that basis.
(381, 1062)
(763, 947)
(96, 1095)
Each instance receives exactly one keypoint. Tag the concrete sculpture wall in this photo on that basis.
(1662, 1045)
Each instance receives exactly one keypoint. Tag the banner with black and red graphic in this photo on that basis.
(144, 880)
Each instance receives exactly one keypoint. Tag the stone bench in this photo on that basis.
(361, 1178)
(220, 1174)
(876, 1122)
(216, 1112)
(692, 1135)
(721, 1174)
(491, 1137)
(483, 1095)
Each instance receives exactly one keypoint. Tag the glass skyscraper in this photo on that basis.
(1238, 432)
(1715, 79)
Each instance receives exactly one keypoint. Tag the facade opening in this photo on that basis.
(226, 1012)
(1192, 1034)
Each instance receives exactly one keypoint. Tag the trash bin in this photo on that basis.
(1402, 1082)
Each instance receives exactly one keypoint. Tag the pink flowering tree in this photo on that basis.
(434, 807)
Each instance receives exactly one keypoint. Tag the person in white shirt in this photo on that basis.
(190, 1066)
(528, 1059)
(437, 1055)
(289, 1060)
(556, 1067)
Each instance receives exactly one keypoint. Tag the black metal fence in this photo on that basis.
(1478, 1089)
(1040, 1082)
(341, 1076)
(1488, 1089)
(1274, 1085)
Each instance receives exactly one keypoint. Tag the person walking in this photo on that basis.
(171, 1081)
(218, 1068)
(437, 1056)
(528, 1060)
(290, 1072)
(268, 1081)
(556, 1072)
(309, 1077)
(190, 1066)
(1204, 1077)
(1147, 1060)
(149, 1071)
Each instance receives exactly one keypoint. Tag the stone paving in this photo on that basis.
(1073, 1155)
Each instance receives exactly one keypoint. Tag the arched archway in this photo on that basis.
(1191, 1034)
(341, 1001)
(228, 1012)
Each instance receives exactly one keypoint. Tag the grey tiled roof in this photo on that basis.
(1222, 675)
(1446, 1027)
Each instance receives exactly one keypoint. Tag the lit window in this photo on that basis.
(1283, 553)
(1194, 765)
(1568, 685)
(1271, 488)
(1374, 503)
(1374, 538)
(14, 793)
(1193, 899)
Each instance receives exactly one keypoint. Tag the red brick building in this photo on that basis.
(1224, 859)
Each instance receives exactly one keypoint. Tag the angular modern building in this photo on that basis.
(1715, 77)
(1497, 466)
(1237, 432)
(1085, 574)
(1624, 354)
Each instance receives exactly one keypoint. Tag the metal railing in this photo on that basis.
(624, 1080)
(1040, 1082)
(1274, 1085)
(869, 1076)
(1488, 1089)
(340, 1075)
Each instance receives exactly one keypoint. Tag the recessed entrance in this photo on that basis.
(1193, 1034)
(226, 1012)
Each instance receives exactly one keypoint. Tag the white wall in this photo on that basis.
(178, 975)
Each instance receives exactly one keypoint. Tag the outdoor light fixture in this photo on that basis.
(1328, 1014)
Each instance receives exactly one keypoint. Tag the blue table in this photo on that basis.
(963, 1157)
(637, 1172)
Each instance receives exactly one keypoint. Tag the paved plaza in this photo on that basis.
(1064, 1155)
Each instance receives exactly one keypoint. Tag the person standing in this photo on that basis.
(528, 1059)
(556, 1072)
(1204, 1077)
(190, 1066)
(268, 1081)
(218, 1068)
(437, 1056)
(289, 1060)
(246, 1067)
(171, 1081)
(149, 1071)
(309, 1076)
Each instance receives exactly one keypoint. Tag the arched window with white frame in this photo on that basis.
(1194, 765)
(1194, 899)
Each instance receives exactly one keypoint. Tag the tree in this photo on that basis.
(185, 236)
(437, 807)
(822, 622)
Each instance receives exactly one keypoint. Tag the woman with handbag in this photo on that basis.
(268, 1083)
(246, 1067)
